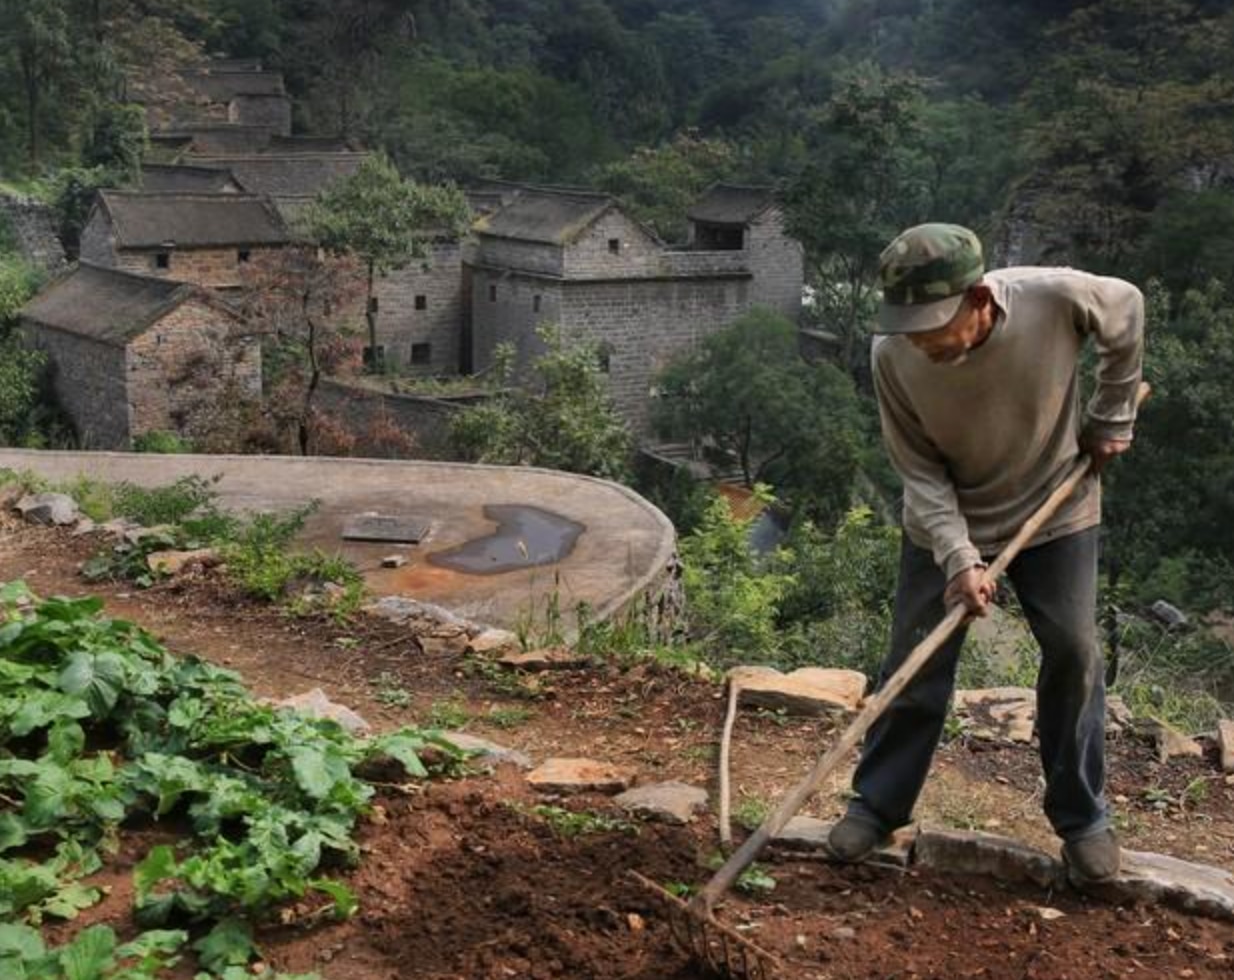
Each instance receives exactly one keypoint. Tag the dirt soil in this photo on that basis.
(461, 880)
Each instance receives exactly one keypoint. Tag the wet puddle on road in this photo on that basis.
(525, 537)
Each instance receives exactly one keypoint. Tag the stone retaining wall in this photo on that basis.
(32, 226)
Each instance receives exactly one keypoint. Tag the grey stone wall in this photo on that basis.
(219, 268)
(698, 262)
(778, 264)
(506, 253)
(592, 257)
(514, 316)
(98, 240)
(188, 369)
(644, 324)
(425, 418)
(32, 226)
(438, 279)
(89, 381)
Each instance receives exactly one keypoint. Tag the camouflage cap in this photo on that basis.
(925, 273)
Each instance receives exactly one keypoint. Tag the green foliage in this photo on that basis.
(578, 823)
(658, 184)
(749, 396)
(99, 724)
(561, 418)
(732, 602)
(161, 441)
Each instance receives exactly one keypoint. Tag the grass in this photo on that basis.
(389, 691)
(751, 811)
(450, 715)
(577, 823)
(506, 718)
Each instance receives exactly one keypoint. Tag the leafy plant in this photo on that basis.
(578, 823)
(98, 723)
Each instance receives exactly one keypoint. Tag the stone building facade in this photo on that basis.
(576, 260)
(206, 239)
(135, 354)
(420, 313)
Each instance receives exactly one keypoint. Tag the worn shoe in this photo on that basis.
(1095, 858)
(853, 840)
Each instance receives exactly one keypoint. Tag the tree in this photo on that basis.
(658, 184)
(749, 397)
(292, 301)
(385, 222)
(38, 30)
(21, 369)
(562, 418)
(866, 182)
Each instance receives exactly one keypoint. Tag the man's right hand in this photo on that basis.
(971, 588)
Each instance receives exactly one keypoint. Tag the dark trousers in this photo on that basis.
(1056, 583)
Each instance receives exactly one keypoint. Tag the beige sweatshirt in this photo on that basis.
(981, 445)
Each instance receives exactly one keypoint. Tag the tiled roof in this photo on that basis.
(144, 220)
(541, 215)
(731, 204)
(286, 174)
(163, 178)
(104, 304)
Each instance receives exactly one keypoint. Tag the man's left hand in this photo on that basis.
(1103, 450)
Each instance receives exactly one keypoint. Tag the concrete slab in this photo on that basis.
(625, 549)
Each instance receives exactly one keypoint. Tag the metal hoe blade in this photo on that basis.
(709, 942)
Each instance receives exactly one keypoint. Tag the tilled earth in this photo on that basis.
(462, 880)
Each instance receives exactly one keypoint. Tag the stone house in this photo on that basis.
(748, 220)
(575, 259)
(291, 179)
(207, 239)
(133, 354)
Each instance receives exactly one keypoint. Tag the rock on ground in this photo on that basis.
(550, 658)
(173, 562)
(1225, 743)
(970, 852)
(1157, 878)
(580, 776)
(315, 704)
(671, 802)
(1001, 712)
(807, 691)
(48, 508)
(488, 752)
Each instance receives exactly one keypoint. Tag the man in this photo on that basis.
(977, 377)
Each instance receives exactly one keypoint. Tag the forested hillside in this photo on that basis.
(1099, 134)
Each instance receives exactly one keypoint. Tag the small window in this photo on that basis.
(604, 359)
(492, 293)
(421, 353)
(614, 246)
(162, 260)
(421, 301)
(372, 304)
(535, 303)
(243, 255)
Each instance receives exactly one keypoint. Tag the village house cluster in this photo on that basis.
(144, 334)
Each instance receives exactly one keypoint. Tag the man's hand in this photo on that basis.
(970, 588)
(1101, 451)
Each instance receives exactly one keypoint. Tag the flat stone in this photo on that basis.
(810, 834)
(1147, 877)
(493, 641)
(400, 609)
(806, 691)
(1169, 741)
(580, 776)
(394, 561)
(549, 658)
(84, 525)
(1000, 712)
(443, 646)
(315, 704)
(1168, 614)
(48, 508)
(972, 852)
(489, 752)
(384, 527)
(671, 802)
(175, 562)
